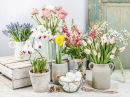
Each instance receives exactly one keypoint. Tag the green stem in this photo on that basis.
(39, 53)
(120, 64)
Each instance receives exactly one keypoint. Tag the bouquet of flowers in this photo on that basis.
(74, 47)
(104, 44)
(17, 32)
(51, 17)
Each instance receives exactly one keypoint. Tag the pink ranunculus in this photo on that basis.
(34, 11)
(78, 43)
(112, 40)
(62, 14)
(122, 49)
(87, 51)
(94, 52)
(99, 55)
(84, 43)
(58, 8)
(112, 56)
(46, 13)
(114, 50)
(43, 7)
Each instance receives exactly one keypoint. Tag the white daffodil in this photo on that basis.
(38, 45)
(41, 28)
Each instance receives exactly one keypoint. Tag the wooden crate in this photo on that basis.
(15, 74)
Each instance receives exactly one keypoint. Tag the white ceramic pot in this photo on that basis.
(60, 69)
(18, 50)
(40, 81)
(101, 75)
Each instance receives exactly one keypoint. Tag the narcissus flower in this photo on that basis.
(38, 45)
(59, 39)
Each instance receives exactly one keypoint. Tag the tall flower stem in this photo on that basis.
(120, 64)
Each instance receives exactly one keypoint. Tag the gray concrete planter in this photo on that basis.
(60, 69)
(40, 81)
(101, 75)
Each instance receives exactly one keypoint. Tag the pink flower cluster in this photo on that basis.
(94, 32)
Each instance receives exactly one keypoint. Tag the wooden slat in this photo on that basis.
(19, 66)
(18, 63)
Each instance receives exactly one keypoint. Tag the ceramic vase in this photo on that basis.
(18, 50)
(60, 69)
(80, 65)
(49, 49)
(101, 75)
(40, 81)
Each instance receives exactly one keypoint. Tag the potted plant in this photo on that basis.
(103, 47)
(39, 75)
(74, 47)
(59, 67)
(51, 17)
(20, 34)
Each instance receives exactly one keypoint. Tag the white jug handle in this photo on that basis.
(10, 44)
(111, 65)
(90, 64)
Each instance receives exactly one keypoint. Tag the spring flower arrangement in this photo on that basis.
(50, 19)
(104, 44)
(17, 32)
(59, 40)
(74, 47)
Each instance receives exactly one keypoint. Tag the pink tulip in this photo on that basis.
(112, 40)
(43, 7)
(122, 49)
(99, 55)
(97, 45)
(34, 11)
(84, 43)
(87, 51)
(89, 41)
(114, 50)
(78, 43)
(62, 14)
(94, 52)
(108, 41)
(46, 13)
(112, 56)
(58, 8)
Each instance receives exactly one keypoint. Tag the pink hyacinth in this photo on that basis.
(114, 50)
(58, 8)
(34, 11)
(112, 56)
(62, 14)
(94, 52)
(43, 7)
(46, 13)
(87, 51)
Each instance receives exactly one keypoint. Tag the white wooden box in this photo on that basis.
(15, 74)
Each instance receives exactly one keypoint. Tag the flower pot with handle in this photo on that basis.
(101, 75)
(40, 81)
(60, 69)
(18, 50)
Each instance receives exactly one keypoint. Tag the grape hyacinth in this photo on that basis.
(17, 32)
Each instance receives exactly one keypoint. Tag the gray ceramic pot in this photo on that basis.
(60, 69)
(101, 75)
(40, 81)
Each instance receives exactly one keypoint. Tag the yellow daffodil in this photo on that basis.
(59, 39)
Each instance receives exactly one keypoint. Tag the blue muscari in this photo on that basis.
(18, 30)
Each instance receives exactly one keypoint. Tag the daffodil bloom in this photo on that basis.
(59, 39)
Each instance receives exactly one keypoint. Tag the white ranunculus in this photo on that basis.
(50, 7)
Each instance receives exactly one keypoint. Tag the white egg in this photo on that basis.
(77, 81)
(66, 79)
(62, 78)
(66, 88)
(78, 75)
(71, 76)
(72, 87)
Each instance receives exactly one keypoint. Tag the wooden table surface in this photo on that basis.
(123, 89)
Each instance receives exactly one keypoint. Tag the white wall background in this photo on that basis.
(19, 11)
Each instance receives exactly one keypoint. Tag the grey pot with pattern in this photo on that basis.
(60, 69)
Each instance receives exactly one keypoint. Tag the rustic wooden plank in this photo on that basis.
(116, 1)
(21, 73)
(18, 63)
(6, 71)
(6, 81)
(6, 58)
(20, 66)
(21, 83)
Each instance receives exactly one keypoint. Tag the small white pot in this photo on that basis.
(60, 69)
(40, 81)
(18, 50)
